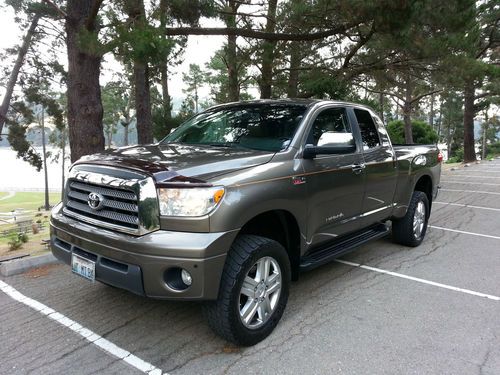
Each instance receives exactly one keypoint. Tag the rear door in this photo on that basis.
(380, 168)
(335, 183)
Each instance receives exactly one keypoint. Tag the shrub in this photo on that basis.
(422, 132)
(14, 242)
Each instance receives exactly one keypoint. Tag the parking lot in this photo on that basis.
(383, 309)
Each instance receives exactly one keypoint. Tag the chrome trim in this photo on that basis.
(148, 211)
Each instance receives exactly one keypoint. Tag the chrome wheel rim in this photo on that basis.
(419, 220)
(260, 292)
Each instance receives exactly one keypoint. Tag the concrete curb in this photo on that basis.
(17, 266)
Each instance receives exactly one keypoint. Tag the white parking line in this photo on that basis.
(469, 176)
(464, 232)
(470, 183)
(466, 205)
(470, 191)
(423, 281)
(87, 334)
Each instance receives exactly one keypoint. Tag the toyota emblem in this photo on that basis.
(95, 201)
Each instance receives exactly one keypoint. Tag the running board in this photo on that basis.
(330, 252)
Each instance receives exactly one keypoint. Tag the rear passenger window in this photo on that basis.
(331, 127)
(369, 133)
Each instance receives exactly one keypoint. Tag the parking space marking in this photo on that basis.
(466, 205)
(423, 281)
(470, 183)
(470, 191)
(465, 232)
(86, 333)
(469, 176)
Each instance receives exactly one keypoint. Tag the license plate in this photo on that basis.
(83, 267)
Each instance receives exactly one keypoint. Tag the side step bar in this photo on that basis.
(332, 251)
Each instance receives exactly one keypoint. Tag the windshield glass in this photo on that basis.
(267, 127)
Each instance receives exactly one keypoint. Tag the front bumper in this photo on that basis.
(139, 264)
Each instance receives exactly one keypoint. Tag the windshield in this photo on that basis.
(267, 127)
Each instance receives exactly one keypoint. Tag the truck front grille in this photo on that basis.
(118, 209)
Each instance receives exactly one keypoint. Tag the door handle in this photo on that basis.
(357, 168)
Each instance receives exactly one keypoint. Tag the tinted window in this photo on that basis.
(331, 127)
(268, 127)
(369, 133)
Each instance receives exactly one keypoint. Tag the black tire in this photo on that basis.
(223, 315)
(402, 229)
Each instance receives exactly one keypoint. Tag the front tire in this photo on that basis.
(253, 291)
(411, 229)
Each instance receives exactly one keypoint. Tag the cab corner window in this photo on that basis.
(331, 128)
(369, 133)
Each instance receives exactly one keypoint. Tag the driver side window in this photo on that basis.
(331, 127)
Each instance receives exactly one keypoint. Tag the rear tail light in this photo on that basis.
(440, 157)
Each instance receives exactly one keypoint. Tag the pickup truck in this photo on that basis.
(238, 201)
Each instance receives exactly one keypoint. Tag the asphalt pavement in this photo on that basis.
(387, 309)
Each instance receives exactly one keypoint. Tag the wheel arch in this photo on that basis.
(279, 225)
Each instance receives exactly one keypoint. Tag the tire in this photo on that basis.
(246, 261)
(410, 230)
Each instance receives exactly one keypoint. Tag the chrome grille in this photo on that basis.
(120, 207)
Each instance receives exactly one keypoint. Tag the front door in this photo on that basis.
(335, 183)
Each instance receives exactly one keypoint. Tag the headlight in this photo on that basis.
(189, 201)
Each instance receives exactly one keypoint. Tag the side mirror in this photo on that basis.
(311, 151)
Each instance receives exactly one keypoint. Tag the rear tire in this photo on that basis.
(410, 230)
(253, 291)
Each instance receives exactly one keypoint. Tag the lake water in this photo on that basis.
(18, 175)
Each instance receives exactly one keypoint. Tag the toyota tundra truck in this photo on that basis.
(236, 202)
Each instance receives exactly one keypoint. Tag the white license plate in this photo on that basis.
(83, 267)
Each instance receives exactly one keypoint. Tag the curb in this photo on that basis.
(17, 266)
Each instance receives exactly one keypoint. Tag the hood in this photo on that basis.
(170, 161)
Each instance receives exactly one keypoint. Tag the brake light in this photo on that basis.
(440, 157)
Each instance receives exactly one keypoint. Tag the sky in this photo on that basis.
(199, 51)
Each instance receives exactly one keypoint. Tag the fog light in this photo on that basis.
(186, 277)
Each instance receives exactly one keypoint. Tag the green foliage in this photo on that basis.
(457, 156)
(162, 125)
(16, 240)
(422, 132)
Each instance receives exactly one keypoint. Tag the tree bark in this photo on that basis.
(166, 99)
(137, 14)
(407, 111)
(9, 89)
(232, 64)
(268, 47)
(293, 77)
(44, 155)
(142, 103)
(85, 111)
(469, 114)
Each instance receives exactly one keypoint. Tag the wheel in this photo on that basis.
(253, 291)
(411, 229)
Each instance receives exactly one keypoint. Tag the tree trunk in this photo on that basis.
(293, 77)
(268, 47)
(469, 114)
(167, 105)
(382, 105)
(63, 162)
(44, 155)
(231, 57)
(142, 103)
(135, 11)
(9, 89)
(125, 134)
(407, 111)
(485, 131)
(86, 134)
(431, 114)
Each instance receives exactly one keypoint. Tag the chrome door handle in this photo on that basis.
(357, 168)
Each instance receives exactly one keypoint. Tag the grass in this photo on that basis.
(27, 201)
(31, 202)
